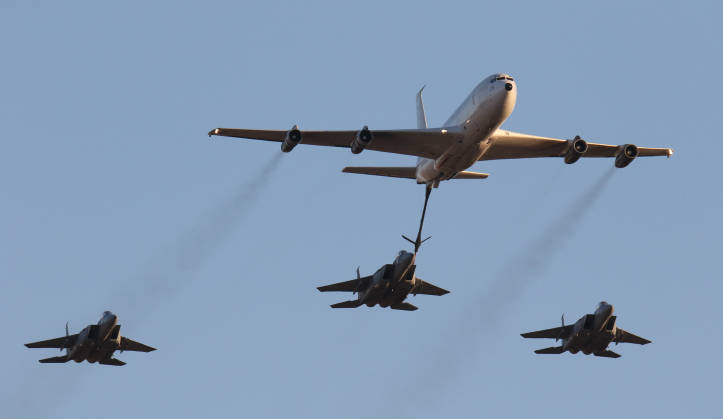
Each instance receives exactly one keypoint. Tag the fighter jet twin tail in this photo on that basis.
(95, 343)
(471, 134)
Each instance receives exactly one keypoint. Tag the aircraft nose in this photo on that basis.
(508, 86)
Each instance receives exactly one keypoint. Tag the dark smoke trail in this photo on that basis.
(201, 241)
(524, 267)
(534, 260)
(44, 390)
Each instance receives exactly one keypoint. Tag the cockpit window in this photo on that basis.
(510, 78)
(500, 78)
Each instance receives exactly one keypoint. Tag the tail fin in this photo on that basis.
(551, 350)
(67, 349)
(421, 116)
(54, 360)
(347, 304)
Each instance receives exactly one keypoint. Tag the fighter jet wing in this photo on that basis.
(513, 145)
(627, 337)
(421, 287)
(349, 286)
(63, 342)
(561, 332)
(427, 142)
(131, 345)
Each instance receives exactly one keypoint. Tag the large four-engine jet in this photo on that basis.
(591, 334)
(471, 134)
(95, 343)
(390, 285)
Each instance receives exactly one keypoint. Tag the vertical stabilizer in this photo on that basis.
(421, 116)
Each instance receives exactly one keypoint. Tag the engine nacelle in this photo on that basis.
(626, 155)
(577, 148)
(362, 140)
(293, 137)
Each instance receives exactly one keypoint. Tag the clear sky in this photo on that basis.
(115, 199)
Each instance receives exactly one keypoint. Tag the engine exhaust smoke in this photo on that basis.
(462, 344)
(168, 275)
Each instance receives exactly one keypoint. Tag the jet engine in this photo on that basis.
(362, 139)
(627, 154)
(577, 148)
(293, 137)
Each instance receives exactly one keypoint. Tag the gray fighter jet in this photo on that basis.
(95, 343)
(391, 283)
(591, 334)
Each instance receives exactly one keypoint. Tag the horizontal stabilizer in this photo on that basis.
(112, 361)
(54, 360)
(406, 172)
(551, 350)
(347, 304)
(608, 354)
(402, 172)
(465, 174)
(403, 306)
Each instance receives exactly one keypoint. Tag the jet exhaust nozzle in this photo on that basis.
(293, 137)
(578, 147)
(362, 140)
(626, 155)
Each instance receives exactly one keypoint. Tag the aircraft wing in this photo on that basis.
(513, 145)
(627, 337)
(131, 345)
(427, 142)
(421, 287)
(63, 342)
(349, 286)
(561, 332)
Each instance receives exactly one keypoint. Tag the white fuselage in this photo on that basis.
(477, 118)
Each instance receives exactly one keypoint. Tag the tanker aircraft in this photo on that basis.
(95, 343)
(391, 283)
(471, 134)
(591, 334)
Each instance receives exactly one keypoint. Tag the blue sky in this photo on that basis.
(114, 198)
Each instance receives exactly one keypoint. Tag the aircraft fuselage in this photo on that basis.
(478, 117)
(96, 342)
(593, 332)
(391, 283)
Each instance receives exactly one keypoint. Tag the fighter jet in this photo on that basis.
(95, 343)
(391, 283)
(591, 334)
